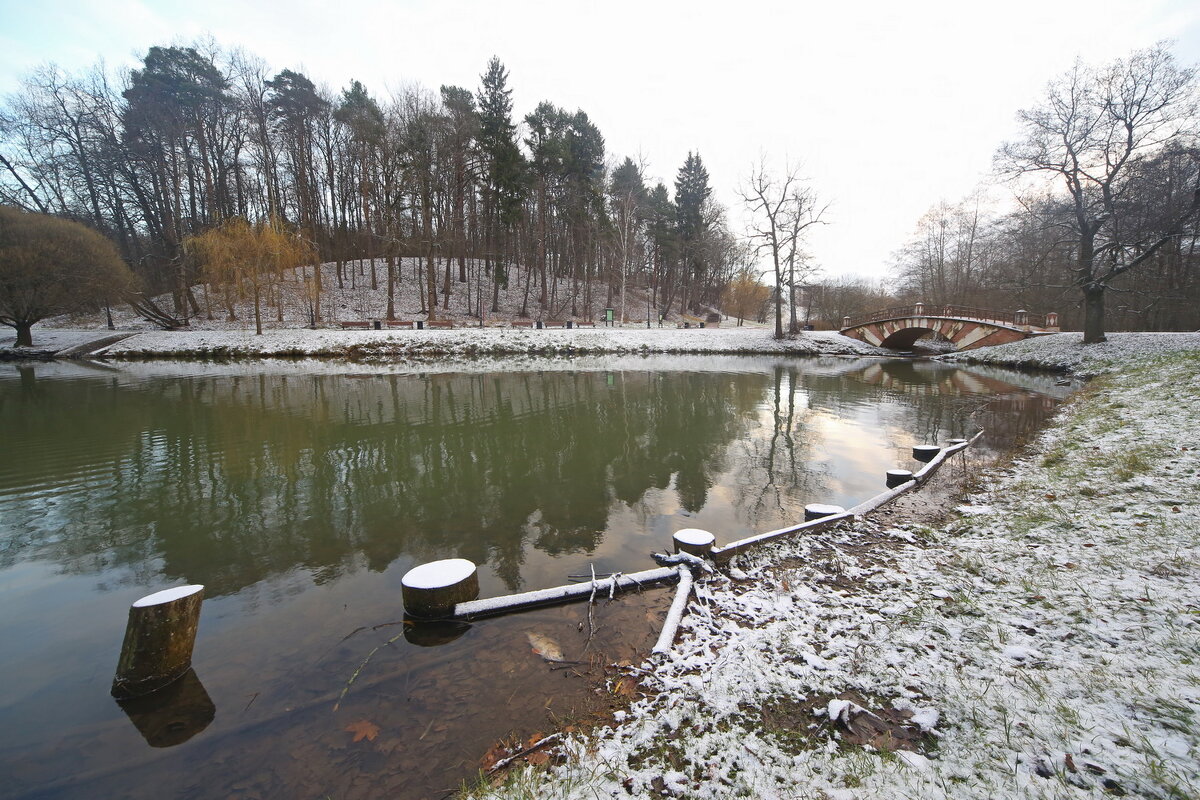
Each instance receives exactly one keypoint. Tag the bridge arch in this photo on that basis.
(905, 338)
(965, 327)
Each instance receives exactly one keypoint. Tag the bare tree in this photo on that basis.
(783, 210)
(1092, 130)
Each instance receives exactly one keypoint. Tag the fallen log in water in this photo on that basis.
(474, 609)
(958, 446)
(725, 552)
(675, 615)
(491, 606)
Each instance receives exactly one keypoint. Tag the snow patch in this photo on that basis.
(437, 574)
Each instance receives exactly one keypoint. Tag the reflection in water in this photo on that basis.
(299, 495)
(433, 633)
(173, 714)
(224, 481)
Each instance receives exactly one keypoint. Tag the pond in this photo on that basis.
(299, 493)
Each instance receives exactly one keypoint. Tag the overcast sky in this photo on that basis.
(889, 106)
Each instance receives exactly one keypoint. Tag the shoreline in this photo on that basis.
(1036, 643)
(374, 345)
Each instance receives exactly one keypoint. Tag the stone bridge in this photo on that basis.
(967, 328)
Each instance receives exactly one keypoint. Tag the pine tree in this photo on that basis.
(504, 166)
(691, 193)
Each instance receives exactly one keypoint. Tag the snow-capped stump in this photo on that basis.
(925, 452)
(817, 510)
(695, 541)
(159, 637)
(432, 590)
(896, 477)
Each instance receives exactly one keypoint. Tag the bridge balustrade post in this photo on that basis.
(1021, 317)
(919, 309)
(845, 322)
(1052, 320)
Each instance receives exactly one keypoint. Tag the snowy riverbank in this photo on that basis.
(460, 342)
(1066, 352)
(1042, 644)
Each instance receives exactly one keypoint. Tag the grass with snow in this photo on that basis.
(470, 342)
(1066, 352)
(1043, 644)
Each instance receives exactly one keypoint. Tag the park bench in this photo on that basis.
(522, 323)
(554, 323)
(439, 323)
(355, 324)
(401, 323)
(585, 324)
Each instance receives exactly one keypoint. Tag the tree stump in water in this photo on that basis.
(926, 452)
(158, 641)
(694, 541)
(895, 477)
(432, 590)
(817, 510)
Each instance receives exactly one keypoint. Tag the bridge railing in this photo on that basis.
(1015, 318)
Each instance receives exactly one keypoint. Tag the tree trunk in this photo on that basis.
(317, 291)
(257, 311)
(1093, 313)
(778, 303)
(793, 323)
(159, 637)
(24, 334)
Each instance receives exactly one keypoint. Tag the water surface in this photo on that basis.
(300, 493)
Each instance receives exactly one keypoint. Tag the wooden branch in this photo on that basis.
(504, 762)
(146, 307)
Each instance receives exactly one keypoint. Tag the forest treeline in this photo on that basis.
(476, 200)
(196, 136)
(1106, 175)
(966, 252)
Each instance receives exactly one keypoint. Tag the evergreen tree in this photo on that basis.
(168, 103)
(691, 194)
(662, 229)
(504, 166)
(691, 190)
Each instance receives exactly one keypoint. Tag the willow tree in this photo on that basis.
(238, 254)
(51, 266)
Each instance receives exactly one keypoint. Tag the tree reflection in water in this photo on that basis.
(225, 478)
